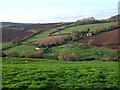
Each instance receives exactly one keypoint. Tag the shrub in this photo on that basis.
(17, 42)
(42, 51)
(41, 45)
(75, 35)
(69, 38)
(53, 57)
(3, 54)
(90, 59)
(61, 41)
(34, 55)
(105, 44)
(67, 56)
(98, 53)
(79, 44)
(91, 43)
(110, 58)
(13, 53)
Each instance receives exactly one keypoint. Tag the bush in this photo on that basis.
(17, 42)
(97, 53)
(3, 54)
(90, 59)
(34, 55)
(75, 35)
(67, 56)
(13, 53)
(41, 50)
(53, 57)
(79, 44)
(61, 41)
(110, 58)
(41, 46)
(105, 44)
(91, 43)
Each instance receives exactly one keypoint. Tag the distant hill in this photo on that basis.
(87, 19)
(12, 23)
(115, 18)
(11, 32)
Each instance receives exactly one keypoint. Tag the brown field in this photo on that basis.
(15, 35)
(10, 33)
(110, 38)
(40, 26)
(50, 40)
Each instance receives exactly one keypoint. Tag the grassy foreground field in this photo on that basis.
(43, 73)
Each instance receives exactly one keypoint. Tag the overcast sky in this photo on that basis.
(45, 11)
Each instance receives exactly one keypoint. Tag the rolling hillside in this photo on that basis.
(23, 31)
(43, 38)
(92, 27)
(43, 34)
(60, 61)
(110, 38)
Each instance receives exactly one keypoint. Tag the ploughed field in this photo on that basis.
(50, 40)
(10, 33)
(110, 37)
(52, 74)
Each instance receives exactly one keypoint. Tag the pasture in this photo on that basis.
(83, 51)
(25, 73)
(21, 49)
(92, 27)
(5, 45)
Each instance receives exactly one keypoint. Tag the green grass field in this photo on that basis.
(3, 45)
(92, 27)
(0, 45)
(51, 74)
(83, 51)
(22, 49)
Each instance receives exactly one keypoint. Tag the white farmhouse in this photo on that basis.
(37, 49)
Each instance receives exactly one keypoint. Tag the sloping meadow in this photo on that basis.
(24, 73)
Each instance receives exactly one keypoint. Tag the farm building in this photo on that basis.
(89, 34)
